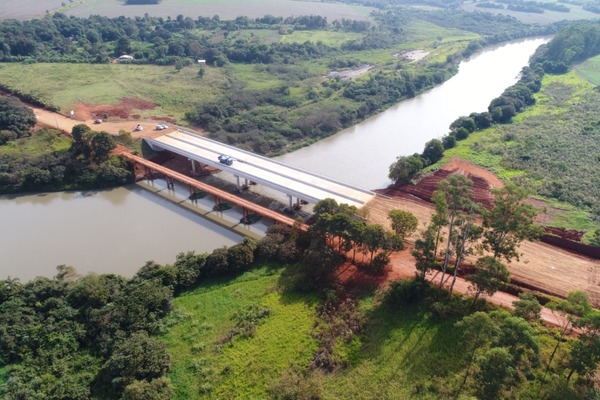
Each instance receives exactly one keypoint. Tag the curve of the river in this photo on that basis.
(362, 154)
(117, 231)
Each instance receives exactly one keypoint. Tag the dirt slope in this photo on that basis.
(551, 269)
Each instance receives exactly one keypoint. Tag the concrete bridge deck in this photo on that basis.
(294, 182)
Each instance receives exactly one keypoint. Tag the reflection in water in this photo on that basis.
(361, 155)
(87, 231)
(117, 231)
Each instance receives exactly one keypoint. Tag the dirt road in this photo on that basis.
(66, 124)
(551, 269)
(548, 268)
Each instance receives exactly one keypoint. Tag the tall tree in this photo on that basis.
(405, 167)
(478, 329)
(567, 312)
(585, 351)
(404, 223)
(496, 370)
(489, 277)
(509, 222)
(528, 307)
(373, 239)
(424, 251)
(456, 192)
(467, 235)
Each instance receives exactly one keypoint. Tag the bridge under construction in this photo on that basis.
(299, 185)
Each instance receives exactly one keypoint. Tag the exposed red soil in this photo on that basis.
(122, 110)
(483, 182)
(547, 268)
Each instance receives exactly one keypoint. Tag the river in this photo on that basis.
(362, 154)
(117, 231)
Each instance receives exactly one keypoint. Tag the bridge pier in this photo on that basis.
(148, 173)
(193, 165)
(170, 183)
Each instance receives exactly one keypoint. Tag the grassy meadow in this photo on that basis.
(590, 70)
(225, 9)
(65, 85)
(552, 147)
(244, 367)
(402, 352)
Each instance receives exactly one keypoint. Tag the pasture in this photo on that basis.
(590, 70)
(552, 148)
(65, 85)
(225, 9)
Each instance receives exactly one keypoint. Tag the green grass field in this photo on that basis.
(590, 70)
(552, 147)
(41, 142)
(330, 38)
(246, 367)
(402, 353)
(67, 84)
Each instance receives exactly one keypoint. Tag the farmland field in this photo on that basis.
(590, 70)
(67, 84)
(576, 12)
(225, 9)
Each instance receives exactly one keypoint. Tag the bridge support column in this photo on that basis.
(192, 194)
(245, 219)
(291, 199)
(193, 166)
(170, 183)
(148, 173)
(237, 185)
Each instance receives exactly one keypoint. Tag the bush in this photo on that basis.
(406, 292)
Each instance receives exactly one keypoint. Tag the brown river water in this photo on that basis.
(117, 231)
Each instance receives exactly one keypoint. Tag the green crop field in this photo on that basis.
(67, 84)
(225, 9)
(590, 70)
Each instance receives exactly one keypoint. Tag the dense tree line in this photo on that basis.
(58, 38)
(15, 119)
(573, 43)
(74, 337)
(87, 164)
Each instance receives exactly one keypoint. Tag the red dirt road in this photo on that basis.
(66, 124)
(548, 268)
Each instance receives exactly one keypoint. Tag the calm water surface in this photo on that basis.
(117, 231)
(362, 154)
(113, 231)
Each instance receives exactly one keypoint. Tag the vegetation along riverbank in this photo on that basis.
(395, 304)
